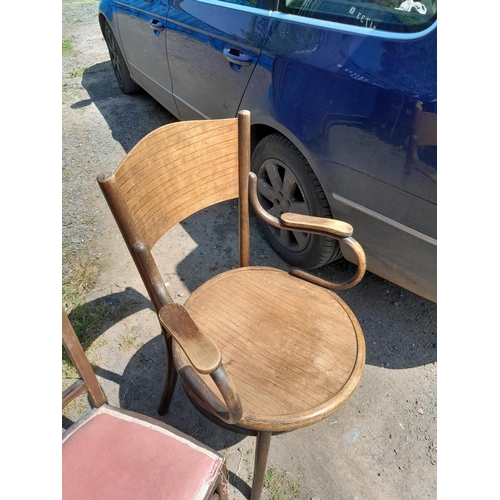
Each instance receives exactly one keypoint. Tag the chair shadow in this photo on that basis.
(140, 388)
(243, 487)
(91, 319)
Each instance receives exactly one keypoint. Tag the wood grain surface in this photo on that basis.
(294, 351)
(169, 176)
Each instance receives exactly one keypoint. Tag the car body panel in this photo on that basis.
(144, 47)
(360, 105)
(355, 129)
(206, 84)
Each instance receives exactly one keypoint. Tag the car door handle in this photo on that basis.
(235, 56)
(156, 25)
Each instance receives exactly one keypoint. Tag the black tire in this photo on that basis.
(127, 85)
(286, 183)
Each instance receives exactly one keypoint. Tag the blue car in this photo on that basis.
(342, 95)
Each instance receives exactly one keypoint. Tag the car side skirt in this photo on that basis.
(395, 252)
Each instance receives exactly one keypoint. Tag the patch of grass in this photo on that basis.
(70, 91)
(85, 320)
(81, 277)
(68, 370)
(129, 339)
(66, 46)
(121, 310)
(280, 486)
(100, 342)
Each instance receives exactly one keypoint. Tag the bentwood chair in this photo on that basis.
(257, 350)
(114, 454)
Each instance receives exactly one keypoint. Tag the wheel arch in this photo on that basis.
(316, 252)
(106, 14)
(107, 17)
(261, 128)
(102, 22)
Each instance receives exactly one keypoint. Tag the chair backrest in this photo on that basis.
(88, 382)
(172, 173)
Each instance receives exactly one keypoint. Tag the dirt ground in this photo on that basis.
(381, 445)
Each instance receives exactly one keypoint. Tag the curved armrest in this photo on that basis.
(317, 225)
(206, 358)
(329, 228)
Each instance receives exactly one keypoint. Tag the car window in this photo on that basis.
(388, 15)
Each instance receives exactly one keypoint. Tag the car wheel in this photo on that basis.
(286, 183)
(127, 85)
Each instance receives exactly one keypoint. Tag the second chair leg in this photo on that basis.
(261, 453)
(170, 380)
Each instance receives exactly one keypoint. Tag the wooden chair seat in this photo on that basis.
(289, 374)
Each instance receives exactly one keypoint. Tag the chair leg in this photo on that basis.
(261, 453)
(223, 488)
(170, 380)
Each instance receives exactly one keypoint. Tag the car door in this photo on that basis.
(213, 48)
(142, 28)
(361, 106)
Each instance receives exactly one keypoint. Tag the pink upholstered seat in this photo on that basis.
(117, 455)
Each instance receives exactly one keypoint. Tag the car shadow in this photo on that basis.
(124, 114)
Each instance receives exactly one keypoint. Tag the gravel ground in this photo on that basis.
(379, 445)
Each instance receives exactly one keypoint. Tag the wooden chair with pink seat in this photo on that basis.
(115, 454)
